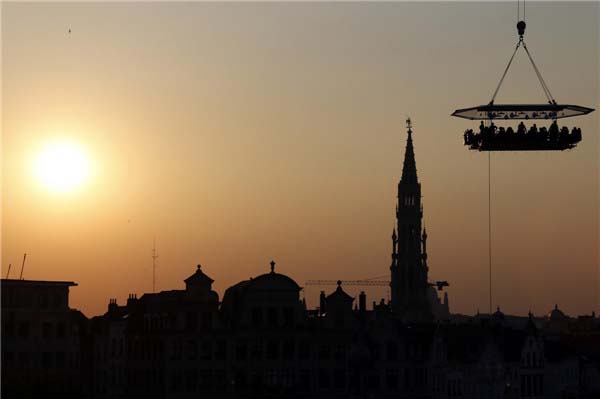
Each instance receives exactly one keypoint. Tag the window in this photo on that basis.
(241, 351)
(240, 380)
(190, 380)
(206, 350)
(288, 350)
(339, 379)
(61, 329)
(8, 358)
(257, 350)
(191, 350)
(47, 359)
(56, 301)
(44, 300)
(175, 382)
(272, 316)
(23, 359)
(324, 379)
(288, 316)
(257, 317)
(204, 379)
(324, 352)
(190, 321)
(9, 330)
(24, 329)
(220, 379)
(373, 381)
(340, 352)
(272, 350)
(392, 351)
(303, 350)
(221, 350)
(391, 379)
(207, 320)
(60, 359)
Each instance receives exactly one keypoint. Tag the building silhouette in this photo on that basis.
(409, 271)
(261, 341)
(42, 340)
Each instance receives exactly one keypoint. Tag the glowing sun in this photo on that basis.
(61, 166)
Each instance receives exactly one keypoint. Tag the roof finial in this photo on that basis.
(199, 267)
(409, 168)
(272, 266)
(339, 283)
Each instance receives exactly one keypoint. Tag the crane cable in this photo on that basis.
(505, 72)
(490, 225)
(540, 78)
(545, 88)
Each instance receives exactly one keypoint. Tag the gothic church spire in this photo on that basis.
(409, 170)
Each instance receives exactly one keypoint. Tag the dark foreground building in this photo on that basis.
(42, 340)
(261, 341)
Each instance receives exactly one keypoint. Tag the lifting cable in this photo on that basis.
(505, 72)
(545, 88)
(539, 75)
(490, 225)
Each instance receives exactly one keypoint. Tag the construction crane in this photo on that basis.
(371, 282)
(379, 283)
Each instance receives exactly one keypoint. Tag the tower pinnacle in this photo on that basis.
(409, 271)
(409, 170)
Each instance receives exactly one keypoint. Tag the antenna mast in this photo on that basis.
(23, 266)
(154, 257)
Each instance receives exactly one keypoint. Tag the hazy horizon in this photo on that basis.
(237, 133)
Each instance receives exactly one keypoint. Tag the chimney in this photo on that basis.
(112, 304)
(322, 305)
(362, 302)
(131, 300)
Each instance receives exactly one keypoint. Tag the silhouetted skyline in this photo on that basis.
(239, 133)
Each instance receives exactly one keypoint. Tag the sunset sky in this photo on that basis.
(237, 133)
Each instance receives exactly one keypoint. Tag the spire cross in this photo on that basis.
(409, 125)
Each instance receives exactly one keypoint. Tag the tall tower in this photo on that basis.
(409, 269)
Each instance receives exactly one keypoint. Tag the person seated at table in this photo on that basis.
(468, 136)
(543, 134)
(575, 136)
(553, 132)
(564, 134)
(501, 133)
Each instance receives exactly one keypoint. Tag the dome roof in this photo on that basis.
(268, 282)
(273, 281)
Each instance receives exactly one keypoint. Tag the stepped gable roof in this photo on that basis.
(199, 277)
(467, 343)
(498, 314)
(339, 294)
(557, 315)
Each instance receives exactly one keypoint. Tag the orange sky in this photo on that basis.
(240, 133)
